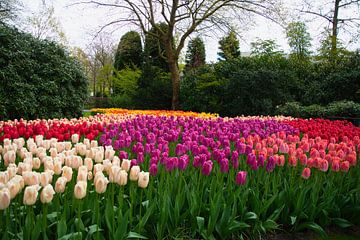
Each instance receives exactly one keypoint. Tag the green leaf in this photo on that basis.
(61, 228)
(52, 216)
(200, 223)
(36, 230)
(275, 215)
(79, 222)
(145, 218)
(250, 216)
(122, 225)
(145, 203)
(312, 226)
(109, 215)
(343, 223)
(76, 235)
(270, 225)
(293, 219)
(268, 203)
(93, 229)
(214, 212)
(236, 225)
(135, 235)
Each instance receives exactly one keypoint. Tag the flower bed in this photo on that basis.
(154, 176)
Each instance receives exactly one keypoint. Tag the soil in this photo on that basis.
(334, 233)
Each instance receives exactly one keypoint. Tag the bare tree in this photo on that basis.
(340, 14)
(9, 10)
(44, 25)
(182, 17)
(101, 56)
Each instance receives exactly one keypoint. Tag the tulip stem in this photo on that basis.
(141, 196)
(97, 216)
(45, 208)
(1, 220)
(79, 215)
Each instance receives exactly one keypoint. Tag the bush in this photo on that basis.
(38, 78)
(336, 109)
(249, 86)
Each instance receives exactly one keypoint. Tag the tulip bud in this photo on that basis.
(80, 189)
(134, 173)
(4, 198)
(30, 194)
(60, 184)
(143, 180)
(47, 194)
(306, 173)
(241, 178)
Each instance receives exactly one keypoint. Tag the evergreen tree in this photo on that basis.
(129, 51)
(229, 47)
(195, 54)
(154, 49)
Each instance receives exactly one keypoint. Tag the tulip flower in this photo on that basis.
(207, 167)
(80, 189)
(47, 194)
(143, 180)
(30, 194)
(306, 173)
(4, 198)
(241, 178)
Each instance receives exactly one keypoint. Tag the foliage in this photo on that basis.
(247, 86)
(154, 90)
(334, 109)
(129, 52)
(154, 48)
(39, 79)
(125, 87)
(266, 47)
(299, 40)
(229, 47)
(195, 54)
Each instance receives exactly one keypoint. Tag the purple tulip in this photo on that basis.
(270, 165)
(235, 159)
(153, 169)
(261, 160)
(183, 162)
(241, 178)
(123, 155)
(224, 165)
(248, 149)
(207, 167)
(140, 157)
(133, 162)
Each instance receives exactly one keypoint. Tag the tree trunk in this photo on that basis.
(172, 60)
(334, 30)
(175, 79)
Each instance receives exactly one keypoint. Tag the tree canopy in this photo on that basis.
(38, 78)
(229, 47)
(129, 52)
(195, 55)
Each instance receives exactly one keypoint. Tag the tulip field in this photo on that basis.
(125, 174)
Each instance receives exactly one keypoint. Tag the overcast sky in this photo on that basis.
(80, 22)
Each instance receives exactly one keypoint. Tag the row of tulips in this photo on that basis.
(215, 178)
(154, 112)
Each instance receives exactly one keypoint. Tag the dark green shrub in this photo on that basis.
(340, 109)
(38, 78)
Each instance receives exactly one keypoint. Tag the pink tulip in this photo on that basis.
(241, 178)
(306, 173)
